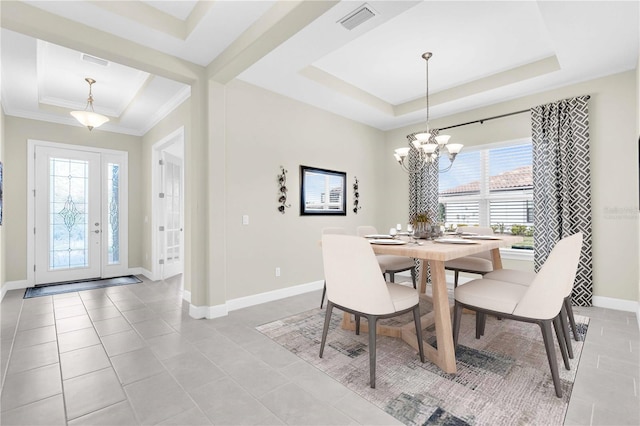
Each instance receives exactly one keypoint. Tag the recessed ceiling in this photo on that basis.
(483, 53)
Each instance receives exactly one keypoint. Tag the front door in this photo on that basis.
(78, 215)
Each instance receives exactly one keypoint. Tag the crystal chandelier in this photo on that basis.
(427, 147)
(89, 118)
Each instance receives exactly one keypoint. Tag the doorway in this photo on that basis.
(79, 213)
(168, 206)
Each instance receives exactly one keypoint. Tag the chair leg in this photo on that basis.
(545, 326)
(572, 320)
(372, 319)
(481, 319)
(391, 277)
(357, 325)
(324, 292)
(413, 277)
(561, 341)
(565, 331)
(325, 329)
(455, 278)
(416, 320)
(457, 317)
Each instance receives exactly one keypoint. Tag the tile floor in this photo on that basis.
(131, 355)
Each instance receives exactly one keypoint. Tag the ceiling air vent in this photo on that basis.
(94, 60)
(357, 17)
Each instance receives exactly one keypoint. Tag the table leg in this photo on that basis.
(444, 332)
(423, 276)
(496, 259)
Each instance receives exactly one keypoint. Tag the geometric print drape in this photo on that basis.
(423, 187)
(562, 185)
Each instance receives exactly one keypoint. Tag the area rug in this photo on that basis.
(502, 378)
(69, 287)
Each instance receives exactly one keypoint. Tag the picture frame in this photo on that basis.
(322, 192)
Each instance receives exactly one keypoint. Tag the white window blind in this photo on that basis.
(490, 186)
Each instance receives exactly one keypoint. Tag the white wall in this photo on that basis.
(613, 115)
(17, 132)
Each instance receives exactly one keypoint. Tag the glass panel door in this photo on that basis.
(68, 230)
(172, 215)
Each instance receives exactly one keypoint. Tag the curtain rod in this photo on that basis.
(482, 120)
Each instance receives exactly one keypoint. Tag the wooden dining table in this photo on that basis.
(434, 255)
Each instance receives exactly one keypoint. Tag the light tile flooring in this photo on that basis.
(131, 355)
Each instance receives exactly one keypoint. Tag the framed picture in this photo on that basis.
(322, 192)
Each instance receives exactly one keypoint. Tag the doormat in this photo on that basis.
(70, 287)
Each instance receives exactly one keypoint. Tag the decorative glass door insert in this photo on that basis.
(68, 213)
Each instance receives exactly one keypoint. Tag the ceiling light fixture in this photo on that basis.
(427, 147)
(89, 118)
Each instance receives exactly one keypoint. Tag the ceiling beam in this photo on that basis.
(282, 20)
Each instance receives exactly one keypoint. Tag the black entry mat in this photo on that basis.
(69, 287)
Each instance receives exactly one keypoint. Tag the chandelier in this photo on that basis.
(426, 146)
(89, 118)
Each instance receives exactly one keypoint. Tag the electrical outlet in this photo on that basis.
(277, 271)
(245, 219)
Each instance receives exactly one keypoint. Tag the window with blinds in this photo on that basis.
(490, 186)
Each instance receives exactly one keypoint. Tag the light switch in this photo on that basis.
(245, 219)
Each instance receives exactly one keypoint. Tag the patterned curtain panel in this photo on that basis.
(562, 184)
(423, 188)
(423, 185)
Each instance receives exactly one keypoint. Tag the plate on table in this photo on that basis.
(388, 241)
(379, 236)
(481, 237)
(454, 241)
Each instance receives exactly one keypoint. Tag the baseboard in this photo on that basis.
(617, 304)
(208, 312)
(13, 285)
(257, 299)
(216, 311)
(142, 271)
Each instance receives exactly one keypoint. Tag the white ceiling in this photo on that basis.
(483, 53)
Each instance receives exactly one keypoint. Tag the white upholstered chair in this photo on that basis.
(331, 230)
(525, 278)
(354, 285)
(389, 263)
(541, 302)
(479, 263)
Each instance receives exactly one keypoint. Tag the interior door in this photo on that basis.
(171, 216)
(67, 215)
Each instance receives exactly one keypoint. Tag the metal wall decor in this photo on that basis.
(356, 196)
(282, 184)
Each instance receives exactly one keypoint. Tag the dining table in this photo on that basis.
(433, 254)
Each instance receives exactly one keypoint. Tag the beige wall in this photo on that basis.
(17, 132)
(3, 269)
(263, 132)
(613, 119)
(638, 156)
